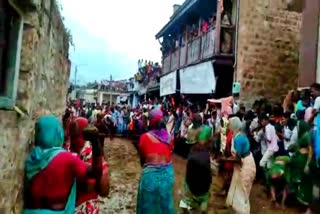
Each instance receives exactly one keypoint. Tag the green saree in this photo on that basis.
(299, 181)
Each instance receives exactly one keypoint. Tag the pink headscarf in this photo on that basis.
(155, 116)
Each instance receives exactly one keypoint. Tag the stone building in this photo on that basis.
(268, 39)
(34, 81)
(198, 50)
(251, 42)
(309, 71)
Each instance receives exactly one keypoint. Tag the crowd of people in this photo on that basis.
(278, 145)
(188, 33)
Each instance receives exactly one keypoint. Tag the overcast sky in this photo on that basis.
(111, 35)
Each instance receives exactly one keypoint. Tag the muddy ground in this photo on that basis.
(125, 171)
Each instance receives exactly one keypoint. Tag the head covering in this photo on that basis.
(159, 132)
(156, 115)
(49, 132)
(76, 128)
(205, 134)
(194, 132)
(235, 124)
(199, 135)
(49, 138)
(196, 121)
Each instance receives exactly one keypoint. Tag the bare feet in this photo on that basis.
(308, 211)
(274, 204)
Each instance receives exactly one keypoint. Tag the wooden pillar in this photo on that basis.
(218, 27)
(187, 47)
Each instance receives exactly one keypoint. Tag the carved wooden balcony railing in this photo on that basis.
(197, 50)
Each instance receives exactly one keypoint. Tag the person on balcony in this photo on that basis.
(205, 26)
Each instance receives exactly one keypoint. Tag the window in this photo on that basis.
(11, 26)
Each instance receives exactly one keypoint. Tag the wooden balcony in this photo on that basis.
(195, 51)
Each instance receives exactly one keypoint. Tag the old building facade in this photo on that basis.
(309, 70)
(34, 85)
(262, 39)
(198, 49)
(268, 41)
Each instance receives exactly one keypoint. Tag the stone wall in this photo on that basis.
(268, 45)
(42, 88)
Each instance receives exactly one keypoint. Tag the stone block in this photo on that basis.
(32, 19)
(29, 47)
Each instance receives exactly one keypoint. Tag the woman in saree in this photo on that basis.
(51, 173)
(120, 127)
(227, 167)
(298, 168)
(196, 188)
(244, 170)
(155, 194)
(89, 190)
(170, 121)
(278, 180)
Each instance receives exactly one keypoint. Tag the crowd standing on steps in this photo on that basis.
(275, 144)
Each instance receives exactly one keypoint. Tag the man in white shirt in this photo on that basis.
(315, 93)
(95, 112)
(271, 139)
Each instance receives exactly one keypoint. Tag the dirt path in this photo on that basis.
(125, 171)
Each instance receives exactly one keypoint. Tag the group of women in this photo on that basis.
(65, 181)
(296, 171)
(85, 171)
(157, 181)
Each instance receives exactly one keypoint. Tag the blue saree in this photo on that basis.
(316, 143)
(155, 193)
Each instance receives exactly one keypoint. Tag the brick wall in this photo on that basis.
(268, 45)
(43, 82)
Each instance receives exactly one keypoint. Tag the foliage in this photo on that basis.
(67, 31)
